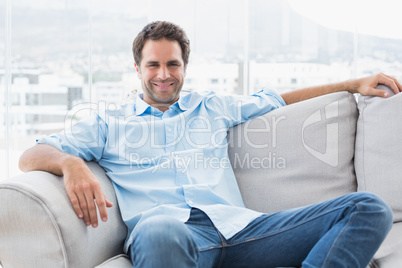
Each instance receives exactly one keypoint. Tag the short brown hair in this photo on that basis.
(158, 30)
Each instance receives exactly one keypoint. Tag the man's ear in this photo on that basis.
(137, 68)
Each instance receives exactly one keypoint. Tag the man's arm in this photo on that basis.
(81, 185)
(364, 86)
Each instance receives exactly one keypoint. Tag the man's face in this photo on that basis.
(161, 72)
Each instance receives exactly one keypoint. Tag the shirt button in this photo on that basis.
(190, 202)
(169, 130)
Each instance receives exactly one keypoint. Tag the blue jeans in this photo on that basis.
(342, 232)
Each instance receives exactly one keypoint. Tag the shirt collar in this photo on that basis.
(184, 103)
(181, 104)
(140, 105)
(189, 100)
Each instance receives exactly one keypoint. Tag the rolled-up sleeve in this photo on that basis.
(274, 97)
(85, 139)
(238, 109)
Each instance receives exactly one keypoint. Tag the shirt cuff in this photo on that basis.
(50, 141)
(274, 94)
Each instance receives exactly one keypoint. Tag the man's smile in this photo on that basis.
(163, 86)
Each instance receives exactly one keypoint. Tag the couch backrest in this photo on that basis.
(379, 148)
(296, 155)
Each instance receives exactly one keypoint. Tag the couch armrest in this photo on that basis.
(38, 226)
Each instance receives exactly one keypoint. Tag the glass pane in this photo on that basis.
(218, 47)
(3, 155)
(49, 68)
(380, 38)
(114, 27)
(290, 48)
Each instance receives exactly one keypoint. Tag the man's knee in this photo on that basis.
(371, 203)
(161, 229)
(375, 203)
(163, 241)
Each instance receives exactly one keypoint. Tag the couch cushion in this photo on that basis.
(379, 147)
(119, 261)
(296, 155)
(389, 255)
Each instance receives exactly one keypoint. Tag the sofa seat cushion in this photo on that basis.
(296, 155)
(379, 147)
(119, 261)
(389, 255)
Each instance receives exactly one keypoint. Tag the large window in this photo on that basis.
(58, 54)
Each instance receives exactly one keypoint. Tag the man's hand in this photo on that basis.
(81, 185)
(84, 192)
(367, 85)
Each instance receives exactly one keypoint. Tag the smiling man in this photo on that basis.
(190, 215)
(162, 72)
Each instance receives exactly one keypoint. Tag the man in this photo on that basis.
(180, 214)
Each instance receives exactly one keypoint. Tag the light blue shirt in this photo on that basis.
(167, 163)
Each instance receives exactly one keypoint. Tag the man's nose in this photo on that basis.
(163, 73)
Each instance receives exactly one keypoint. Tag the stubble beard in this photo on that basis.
(162, 101)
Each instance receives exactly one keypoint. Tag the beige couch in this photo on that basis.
(296, 155)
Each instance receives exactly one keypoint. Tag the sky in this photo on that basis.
(381, 18)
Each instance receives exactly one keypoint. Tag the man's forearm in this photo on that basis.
(45, 157)
(312, 92)
(364, 86)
